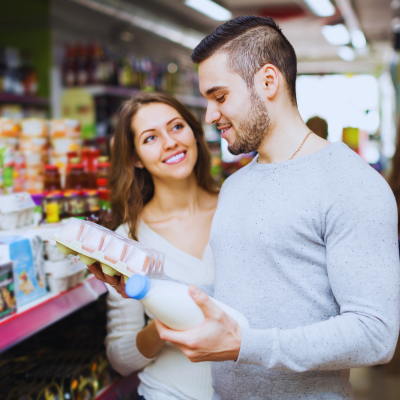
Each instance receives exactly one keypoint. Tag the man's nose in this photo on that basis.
(212, 114)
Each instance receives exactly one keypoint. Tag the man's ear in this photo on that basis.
(268, 77)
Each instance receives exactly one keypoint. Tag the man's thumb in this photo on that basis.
(202, 300)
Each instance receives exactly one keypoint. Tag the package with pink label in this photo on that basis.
(116, 254)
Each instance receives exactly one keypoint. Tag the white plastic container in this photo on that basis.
(16, 210)
(64, 274)
(170, 302)
(116, 254)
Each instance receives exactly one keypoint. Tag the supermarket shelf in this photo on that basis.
(22, 99)
(99, 90)
(192, 101)
(47, 310)
(119, 389)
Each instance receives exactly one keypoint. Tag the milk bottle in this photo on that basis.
(171, 303)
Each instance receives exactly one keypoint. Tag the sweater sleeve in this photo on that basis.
(362, 261)
(125, 319)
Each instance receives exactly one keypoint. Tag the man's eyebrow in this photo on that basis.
(214, 89)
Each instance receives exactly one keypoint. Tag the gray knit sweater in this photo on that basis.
(307, 251)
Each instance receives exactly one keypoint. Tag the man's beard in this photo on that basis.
(253, 128)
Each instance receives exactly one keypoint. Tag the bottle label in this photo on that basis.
(52, 213)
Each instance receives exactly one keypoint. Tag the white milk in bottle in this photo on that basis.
(170, 302)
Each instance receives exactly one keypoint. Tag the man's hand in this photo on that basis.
(218, 338)
(117, 282)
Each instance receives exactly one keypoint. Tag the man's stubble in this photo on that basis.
(253, 128)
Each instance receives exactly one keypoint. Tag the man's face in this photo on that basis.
(237, 110)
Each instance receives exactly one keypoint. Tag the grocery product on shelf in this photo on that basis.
(74, 205)
(33, 145)
(26, 254)
(53, 205)
(8, 303)
(104, 202)
(16, 211)
(171, 303)
(17, 73)
(93, 64)
(116, 254)
(63, 274)
(52, 180)
(92, 204)
(9, 131)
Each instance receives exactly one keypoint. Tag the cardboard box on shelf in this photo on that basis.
(8, 304)
(27, 259)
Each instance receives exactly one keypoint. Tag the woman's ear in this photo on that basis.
(138, 165)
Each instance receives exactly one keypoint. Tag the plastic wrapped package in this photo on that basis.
(116, 254)
(64, 274)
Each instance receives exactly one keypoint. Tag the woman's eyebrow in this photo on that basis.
(173, 119)
(147, 130)
(153, 129)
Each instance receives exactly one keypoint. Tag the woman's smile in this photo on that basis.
(176, 158)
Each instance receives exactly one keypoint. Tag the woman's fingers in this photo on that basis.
(112, 280)
(117, 282)
(97, 271)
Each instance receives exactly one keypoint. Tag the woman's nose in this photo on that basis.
(169, 142)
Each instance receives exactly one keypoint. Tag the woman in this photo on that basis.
(164, 196)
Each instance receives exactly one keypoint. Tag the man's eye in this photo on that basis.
(149, 139)
(221, 99)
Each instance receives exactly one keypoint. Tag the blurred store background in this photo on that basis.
(65, 68)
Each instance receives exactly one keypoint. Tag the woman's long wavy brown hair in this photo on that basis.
(394, 175)
(132, 188)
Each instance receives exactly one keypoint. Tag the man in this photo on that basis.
(304, 237)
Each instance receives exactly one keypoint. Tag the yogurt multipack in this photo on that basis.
(117, 255)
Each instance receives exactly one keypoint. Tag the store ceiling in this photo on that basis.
(301, 27)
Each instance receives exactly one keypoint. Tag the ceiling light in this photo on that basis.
(346, 53)
(336, 34)
(322, 8)
(140, 18)
(211, 9)
(358, 39)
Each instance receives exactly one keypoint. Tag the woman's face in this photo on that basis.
(164, 142)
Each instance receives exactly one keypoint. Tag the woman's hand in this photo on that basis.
(117, 282)
(148, 341)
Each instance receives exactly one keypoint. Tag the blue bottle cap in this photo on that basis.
(137, 286)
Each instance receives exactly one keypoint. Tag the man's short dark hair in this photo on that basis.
(250, 43)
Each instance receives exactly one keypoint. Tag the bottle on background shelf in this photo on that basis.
(68, 68)
(52, 179)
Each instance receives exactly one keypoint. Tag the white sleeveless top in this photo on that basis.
(170, 375)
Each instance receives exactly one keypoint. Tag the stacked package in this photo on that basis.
(65, 137)
(33, 147)
(9, 131)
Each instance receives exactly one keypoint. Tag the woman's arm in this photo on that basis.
(148, 341)
(125, 323)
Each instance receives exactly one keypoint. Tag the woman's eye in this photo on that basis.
(178, 126)
(221, 99)
(149, 139)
